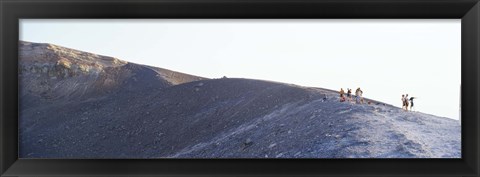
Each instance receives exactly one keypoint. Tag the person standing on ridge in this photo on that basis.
(411, 103)
(403, 101)
(349, 95)
(342, 92)
(406, 102)
(361, 95)
(358, 95)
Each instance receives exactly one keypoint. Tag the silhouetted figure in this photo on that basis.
(342, 97)
(349, 94)
(406, 102)
(411, 103)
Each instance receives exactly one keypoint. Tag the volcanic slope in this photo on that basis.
(146, 115)
(51, 72)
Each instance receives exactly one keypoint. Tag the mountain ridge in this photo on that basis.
(146, 116)
(47, 68)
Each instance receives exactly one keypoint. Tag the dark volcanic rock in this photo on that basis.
(80, 105)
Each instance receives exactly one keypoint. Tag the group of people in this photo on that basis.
(358, 95)
(405, 102)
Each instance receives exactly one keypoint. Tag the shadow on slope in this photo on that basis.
(239, 118)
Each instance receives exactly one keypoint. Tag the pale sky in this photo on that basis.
(386, 58)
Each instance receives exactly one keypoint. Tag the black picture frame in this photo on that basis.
(466, 10)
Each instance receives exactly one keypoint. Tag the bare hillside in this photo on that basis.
(80, 105)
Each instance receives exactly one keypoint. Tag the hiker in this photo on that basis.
(358, 96)
(342, 92)
(411, 103)
(349, 95)
(361, 95)
(406, 102)
(403, 101)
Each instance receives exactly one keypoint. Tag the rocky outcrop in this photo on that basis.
(52, 72)
(59, 62)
